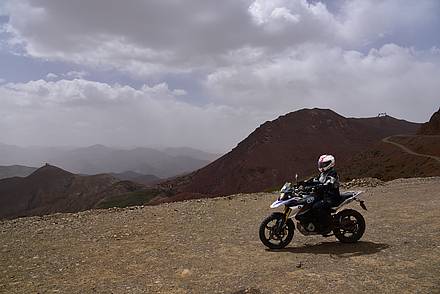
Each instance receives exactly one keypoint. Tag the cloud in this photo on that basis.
(388, 79)
(51, 76)
(248, 61)
(377, 22)
(81, 112)
(158, 37)
(76, 74)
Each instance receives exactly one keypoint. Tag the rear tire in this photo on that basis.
(268, 234)
(350, 226)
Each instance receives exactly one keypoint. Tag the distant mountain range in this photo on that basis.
(101, 159)
(15, 171)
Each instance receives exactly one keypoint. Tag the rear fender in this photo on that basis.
(355, 197)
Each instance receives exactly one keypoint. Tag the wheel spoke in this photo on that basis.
(275, 233)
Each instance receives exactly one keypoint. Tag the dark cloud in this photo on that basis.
(238, 63)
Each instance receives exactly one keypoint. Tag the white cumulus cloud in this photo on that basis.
(81, 112)
(390, 79)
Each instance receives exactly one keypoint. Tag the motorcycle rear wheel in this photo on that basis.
(350, 226)
(274, 237)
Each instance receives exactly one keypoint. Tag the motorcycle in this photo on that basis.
(277, 230)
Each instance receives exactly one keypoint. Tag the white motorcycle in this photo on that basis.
(276, 230)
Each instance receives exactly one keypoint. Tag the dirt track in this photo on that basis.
(212, 246)
(407, 150)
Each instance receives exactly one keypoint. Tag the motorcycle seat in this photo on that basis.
(344, 196)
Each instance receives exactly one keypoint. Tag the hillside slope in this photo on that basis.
(291, 144)
(399, 156)
(388, 161)
(421, 143)
(432, 127)
(136, 177)
(50, 189)
(212, 246)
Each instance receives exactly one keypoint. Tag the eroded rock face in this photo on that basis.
(432, 127)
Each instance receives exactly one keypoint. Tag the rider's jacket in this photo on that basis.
(327, 184)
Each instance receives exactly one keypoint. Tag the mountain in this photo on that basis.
(101, 159)
(15, 171)
(136, 177)
(192, 153)
(50, 189)
(432, 127)
(291, 144)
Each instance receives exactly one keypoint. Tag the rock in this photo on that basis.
(185, 273)
(363, 182)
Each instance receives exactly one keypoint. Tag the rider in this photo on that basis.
(327, 187)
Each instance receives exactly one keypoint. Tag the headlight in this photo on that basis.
(283, 196)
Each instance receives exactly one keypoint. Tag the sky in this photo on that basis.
(206, 73)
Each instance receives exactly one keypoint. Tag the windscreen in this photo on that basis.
(286, 187)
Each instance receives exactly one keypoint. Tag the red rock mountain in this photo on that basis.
(50, 189)
(291, 144)
(432, 127)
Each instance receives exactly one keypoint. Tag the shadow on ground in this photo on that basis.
(338, 249)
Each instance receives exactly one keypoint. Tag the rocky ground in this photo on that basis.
(212, 246)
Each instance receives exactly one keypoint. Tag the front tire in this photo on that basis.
(350, 226)
(274, 236)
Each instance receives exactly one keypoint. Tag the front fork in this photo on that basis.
(287, 211)
(286, 214)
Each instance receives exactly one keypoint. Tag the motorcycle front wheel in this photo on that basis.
(350, 226)
(275, 233)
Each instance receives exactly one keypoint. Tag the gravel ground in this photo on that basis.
(212, 246)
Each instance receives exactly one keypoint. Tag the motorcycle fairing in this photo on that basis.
(288, 202)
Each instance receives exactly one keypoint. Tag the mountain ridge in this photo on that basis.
(290, 144)
(98, 159)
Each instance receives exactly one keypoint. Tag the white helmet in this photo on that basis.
(326, 162)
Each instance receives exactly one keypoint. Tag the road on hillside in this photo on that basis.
(409, 151)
